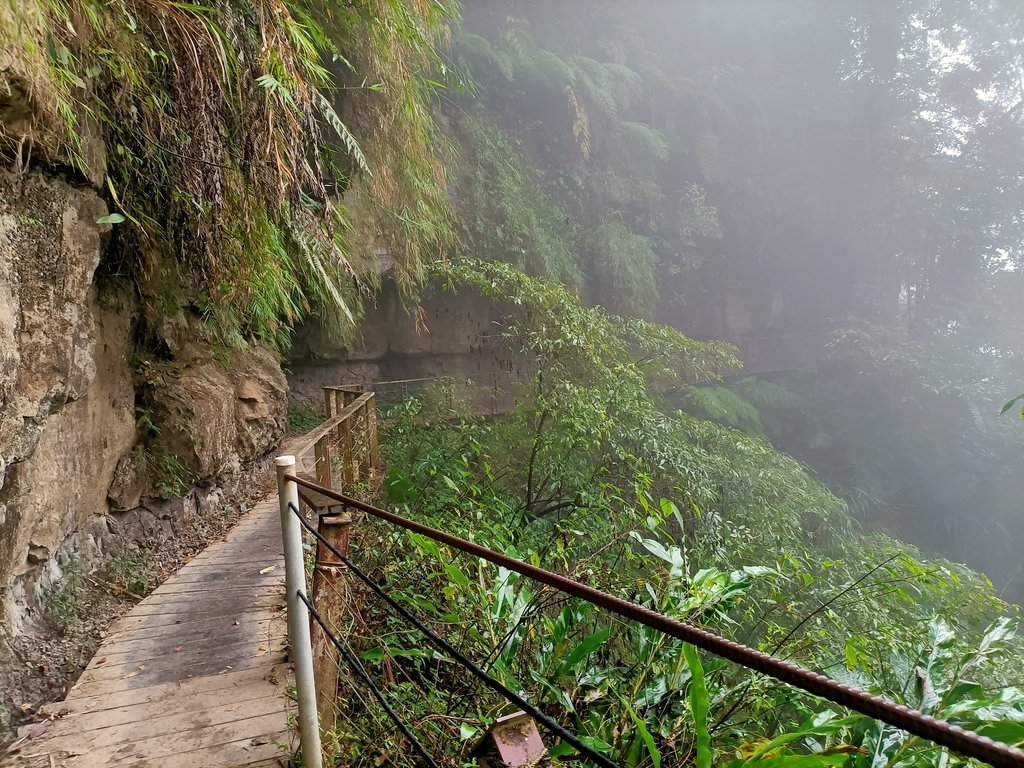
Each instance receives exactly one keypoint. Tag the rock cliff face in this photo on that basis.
(453, 335)
(104, 446)
(61, 420)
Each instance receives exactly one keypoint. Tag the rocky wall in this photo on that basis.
(456, 335)
(105, 448)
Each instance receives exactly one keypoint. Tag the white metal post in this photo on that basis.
(298, 615)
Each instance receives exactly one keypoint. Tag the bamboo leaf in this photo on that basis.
(699, 705)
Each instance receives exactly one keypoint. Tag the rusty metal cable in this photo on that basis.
(492, 683)
(960, 740)
(357, 668)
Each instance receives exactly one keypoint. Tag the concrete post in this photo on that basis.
(301, 651)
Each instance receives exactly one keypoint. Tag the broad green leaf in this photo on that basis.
(699, 705)
(374, 655)
(820, 724)
(645, 736)
(584, 649)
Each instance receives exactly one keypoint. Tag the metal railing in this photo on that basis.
(332, 553)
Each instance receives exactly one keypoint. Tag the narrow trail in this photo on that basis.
(194, 675)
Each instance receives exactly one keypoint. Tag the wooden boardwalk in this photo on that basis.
(194, 675)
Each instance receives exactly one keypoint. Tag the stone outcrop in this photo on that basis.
(67, 401)
(92, 426)
(218, 416)
(456, 335)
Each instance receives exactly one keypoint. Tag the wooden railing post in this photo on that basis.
(364, 430)
(322, 451)
(348, 476)
(330, 402)
(330, 598)
(371, 432)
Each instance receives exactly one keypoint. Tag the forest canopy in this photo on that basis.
(837, 190)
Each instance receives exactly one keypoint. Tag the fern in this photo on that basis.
(627, 86)
(725, 407)
(597, 85)
(647, 140)
(554, 70)
(480, 56)
(765, 394)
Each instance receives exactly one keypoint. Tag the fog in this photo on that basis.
(835, 187)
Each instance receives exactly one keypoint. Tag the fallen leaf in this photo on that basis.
(142, 667)
(260, 740)
(179, 648)
(25, 707)
(236, 622)
(268, 569)
(101, 661)
(261, 650)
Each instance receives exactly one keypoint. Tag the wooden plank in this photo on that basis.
(223, 686)
(129, 642)
(183, 674)
(216, 606)
(348, 475)
(330, 402)
(144, 626)
(217, 653)
(371, 433)
(112, 733)
(237, 754)
(141, 651)
(267, 587)
(322, 451)
(143, 714)
(159, 749)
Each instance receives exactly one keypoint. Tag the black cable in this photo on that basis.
(448, 648)
(356, 667)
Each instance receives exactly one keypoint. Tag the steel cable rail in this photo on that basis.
(357, 668)
(966, 743)
(461, 658)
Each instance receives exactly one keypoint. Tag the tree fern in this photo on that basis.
(627, 86)
(597, 85)
(643, 140)
(725, 407)
(483, 58)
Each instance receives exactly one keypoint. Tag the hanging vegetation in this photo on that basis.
(236, 140)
